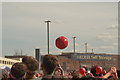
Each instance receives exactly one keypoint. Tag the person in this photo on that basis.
(85, 67)
(17, 71)
(32, 67)
(4, 75)
(112, 74)
(4, 70)
(118, 72)
(94, 72)
(49, 66)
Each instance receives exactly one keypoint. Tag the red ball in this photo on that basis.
(37, 75)
(104, 72)
(82, 71)
(98, 70)
(58, 70)
(61, 42)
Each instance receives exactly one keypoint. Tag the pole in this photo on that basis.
(85, 47)
(74, 49)
(74, 44)
(92, 51)
(38, 57)
(47, 22)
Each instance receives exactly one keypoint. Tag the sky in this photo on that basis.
(94, 23)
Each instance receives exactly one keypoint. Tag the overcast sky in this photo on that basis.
(24, 29)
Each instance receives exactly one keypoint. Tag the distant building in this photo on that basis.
(17, 57)
(70, 61)
(8, 62)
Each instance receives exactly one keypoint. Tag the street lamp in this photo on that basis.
(74, 49)
(74, 43)
(47, 22)
(85, 47)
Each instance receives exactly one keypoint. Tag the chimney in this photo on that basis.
(37, 54)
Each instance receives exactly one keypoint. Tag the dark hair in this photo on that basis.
(18, 70)
(118, 72)
(31, 63)
(49, 63)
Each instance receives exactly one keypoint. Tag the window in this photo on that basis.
(3, 62)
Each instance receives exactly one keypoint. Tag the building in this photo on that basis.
(16, 57)
(8, 62)
(67, 63)
(73, 61)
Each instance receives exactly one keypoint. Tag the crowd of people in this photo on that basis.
(50, 69)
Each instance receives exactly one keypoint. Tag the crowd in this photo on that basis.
(51, 70)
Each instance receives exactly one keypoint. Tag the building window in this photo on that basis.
(3, 62)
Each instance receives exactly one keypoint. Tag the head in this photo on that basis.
(49, 63)
(82, 71)
(32, 65)
(95, 70)
(86, 68)
(18, 70)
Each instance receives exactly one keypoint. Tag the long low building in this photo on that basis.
(8, 62)
(70, 61)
